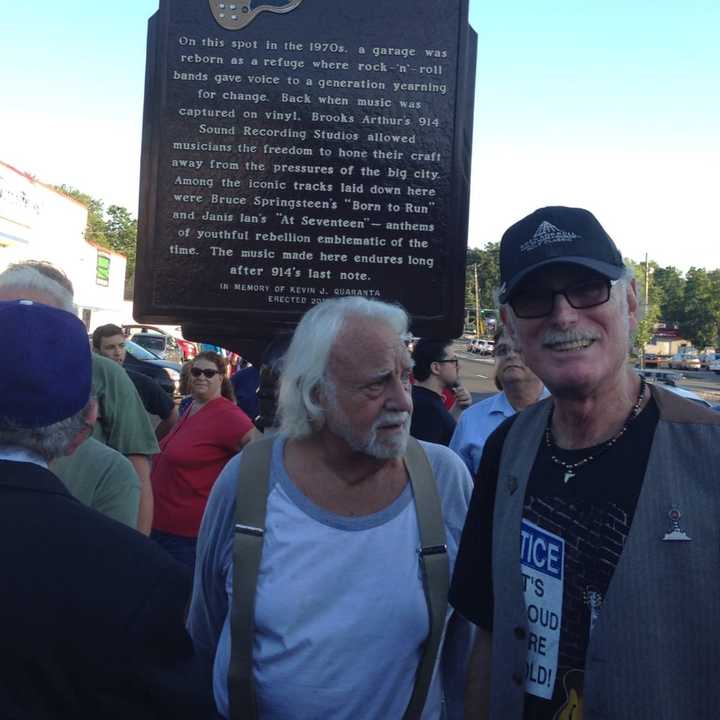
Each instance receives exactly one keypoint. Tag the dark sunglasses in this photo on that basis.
(448, 360)
(197, 372)
(533, 304)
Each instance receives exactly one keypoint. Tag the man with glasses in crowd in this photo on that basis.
(519, 387)
(436, 369)
(589, 559)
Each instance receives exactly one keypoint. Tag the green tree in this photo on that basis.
(670, 286)
(701, 308)
(648, 303)
(96, 227)
(114, 229)
(487, 260)
(121, 234)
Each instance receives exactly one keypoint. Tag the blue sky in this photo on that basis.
(609, 105)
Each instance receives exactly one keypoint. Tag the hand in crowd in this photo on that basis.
(463, 400)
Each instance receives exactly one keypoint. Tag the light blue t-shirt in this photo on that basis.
(340, 610)
(477, 423)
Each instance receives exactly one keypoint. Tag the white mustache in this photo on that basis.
(555, 337)
(392, 418)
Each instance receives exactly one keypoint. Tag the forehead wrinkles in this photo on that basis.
(367, 349)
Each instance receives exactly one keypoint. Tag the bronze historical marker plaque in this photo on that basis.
(302, 150)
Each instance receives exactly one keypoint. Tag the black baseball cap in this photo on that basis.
(556, 235)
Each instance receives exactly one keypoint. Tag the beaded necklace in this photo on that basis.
(571, 468)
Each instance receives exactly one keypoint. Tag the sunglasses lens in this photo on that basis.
(197, 372)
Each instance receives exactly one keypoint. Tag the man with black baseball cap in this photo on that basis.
(593, 528)
(91, 611)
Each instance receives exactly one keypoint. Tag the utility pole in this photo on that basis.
(479, 329)
(646, 298)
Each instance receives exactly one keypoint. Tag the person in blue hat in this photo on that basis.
(91, 612)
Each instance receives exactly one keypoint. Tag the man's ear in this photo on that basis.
(508, 323)
(91, 414)
(632, 304)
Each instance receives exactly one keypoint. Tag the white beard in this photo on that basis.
(372, 445)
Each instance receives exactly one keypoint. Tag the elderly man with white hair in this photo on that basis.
(340, 620)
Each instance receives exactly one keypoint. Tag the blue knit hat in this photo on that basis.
(45, 370)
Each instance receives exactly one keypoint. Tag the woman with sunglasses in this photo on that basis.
(208, 434)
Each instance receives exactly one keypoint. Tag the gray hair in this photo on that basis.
(49, 441)
(306, 361)
(41, 278)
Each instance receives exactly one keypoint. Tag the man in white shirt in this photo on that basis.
(340, 615)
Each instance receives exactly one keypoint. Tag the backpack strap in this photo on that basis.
(250, 506)
(436, 572)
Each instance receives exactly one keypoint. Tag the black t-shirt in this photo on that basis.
(430, 419)
(572, 536)
(155, 400)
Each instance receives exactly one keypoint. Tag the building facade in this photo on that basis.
(39, 223)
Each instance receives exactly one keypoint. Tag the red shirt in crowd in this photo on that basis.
(192, 455)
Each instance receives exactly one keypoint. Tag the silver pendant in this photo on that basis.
(569, 475)
(676, 533)
(594, 601)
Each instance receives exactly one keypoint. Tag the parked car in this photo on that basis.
(715, 366)
(161, 343)
(685, 361)
(664, 376)
(651, 360)
(706, 359)
(165, 372)
(481, 346)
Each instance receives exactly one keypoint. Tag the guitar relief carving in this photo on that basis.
(237, 14)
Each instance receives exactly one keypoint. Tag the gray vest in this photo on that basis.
(655, 651)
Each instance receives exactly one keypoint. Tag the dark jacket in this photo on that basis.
(91, 612)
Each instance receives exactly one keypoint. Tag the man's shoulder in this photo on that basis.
(82, 529)
(425, 395)
(109, 375)
(483, 407)
(105, 367)
(674, 408)
(140, 379)
(450, 472)
(95, 458)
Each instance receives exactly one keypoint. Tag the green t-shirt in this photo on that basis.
(123, 423)
(103, 479)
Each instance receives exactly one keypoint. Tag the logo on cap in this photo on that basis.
(547, 234)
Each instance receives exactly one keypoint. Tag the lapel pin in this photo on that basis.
(676, 533)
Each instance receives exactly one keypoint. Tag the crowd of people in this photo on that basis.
(350, 537)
